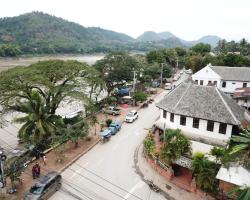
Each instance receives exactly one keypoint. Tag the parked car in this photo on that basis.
(106, 134)
(176, 77)
(168, 86)
(112, 110)
(123, 92)
(155, 84)
(45, 187)
(131, 116)
(114, 127)
(189, 71)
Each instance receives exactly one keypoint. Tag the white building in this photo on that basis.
(225, 78)
(242, 97)
(204, 114)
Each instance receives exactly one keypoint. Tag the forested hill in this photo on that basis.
(37, 32)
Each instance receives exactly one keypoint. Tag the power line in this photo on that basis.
(96, 183)
(109, 182)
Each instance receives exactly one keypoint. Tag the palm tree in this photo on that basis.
(38, 125)
(205, 172)
(76, 128)
(175, 145)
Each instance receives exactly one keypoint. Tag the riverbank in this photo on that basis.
(7, 63)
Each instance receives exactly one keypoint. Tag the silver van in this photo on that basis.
(45, 187)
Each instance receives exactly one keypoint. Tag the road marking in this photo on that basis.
(138, 185)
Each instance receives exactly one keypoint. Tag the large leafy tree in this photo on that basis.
(116, 69)
(38, 124)
(54, 80)
(201, 48)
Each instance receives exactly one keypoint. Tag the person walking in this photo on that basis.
(37, 170)
(34, 171)
(44, 159)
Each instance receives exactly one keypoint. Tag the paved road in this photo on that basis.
(107, 171)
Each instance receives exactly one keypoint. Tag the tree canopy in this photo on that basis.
(116, 68)
(54, 80)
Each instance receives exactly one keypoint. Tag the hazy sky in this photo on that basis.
(188, 19)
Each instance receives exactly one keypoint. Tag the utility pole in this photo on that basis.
(2, 160)
(134, 80)
(161, 73)
(177, 63)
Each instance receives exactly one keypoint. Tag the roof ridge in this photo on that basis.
(227, 106)
(189, 84)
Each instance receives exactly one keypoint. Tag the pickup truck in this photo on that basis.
(114, 127)
(112, 110)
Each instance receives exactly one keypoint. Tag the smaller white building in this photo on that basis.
(225, 78)
(242, 97)
(203, 113)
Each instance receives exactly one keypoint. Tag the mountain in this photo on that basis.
(37, 32)
(166, 35)
(210, 39)
(153, 37)
(149, 36)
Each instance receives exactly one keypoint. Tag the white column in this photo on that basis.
(229, 130)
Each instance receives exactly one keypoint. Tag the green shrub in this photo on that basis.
(108, 122)
(149, 145)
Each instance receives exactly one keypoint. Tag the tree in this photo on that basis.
(38, 125)
(205, 172)
(140, 96)
(116, 69)
(155, 57)
(175, 145)
(76, 128)
(54, 80)
(218, 152)
(195, 62)
(201, 48)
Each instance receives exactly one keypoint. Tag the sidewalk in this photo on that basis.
(169, 190)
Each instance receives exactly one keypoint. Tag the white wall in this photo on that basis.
(201, 131)
(207, 74)
(242, 103)
(232, 85)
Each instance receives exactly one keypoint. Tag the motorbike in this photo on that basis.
(153, 186)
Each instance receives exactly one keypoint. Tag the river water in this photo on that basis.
(6, 63)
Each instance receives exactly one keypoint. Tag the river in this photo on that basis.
(6, 63)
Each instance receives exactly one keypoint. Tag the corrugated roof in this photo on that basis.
(233, 73)
(204, 102)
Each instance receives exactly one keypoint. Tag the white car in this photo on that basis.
(168, 86)
(131, 116)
